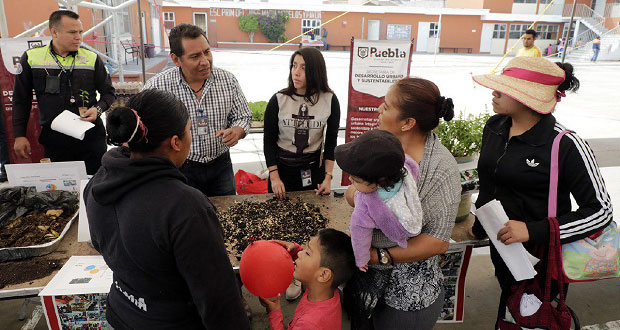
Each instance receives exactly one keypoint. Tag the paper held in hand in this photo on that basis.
(520, 262)
(70, 124)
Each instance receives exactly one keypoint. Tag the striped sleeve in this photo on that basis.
(581, 176)
(439, 206)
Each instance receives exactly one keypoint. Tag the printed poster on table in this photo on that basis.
(75, 299)
(48, 176)
(375, 65)
(453, 266)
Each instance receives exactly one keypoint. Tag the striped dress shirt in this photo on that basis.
(222, 101)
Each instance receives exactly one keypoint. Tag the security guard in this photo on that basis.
(64, 77)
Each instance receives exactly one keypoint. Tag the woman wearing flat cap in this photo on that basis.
(514, 164)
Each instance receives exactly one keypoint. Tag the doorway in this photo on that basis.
(374, 26)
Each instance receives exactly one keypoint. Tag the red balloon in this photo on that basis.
(266, 269)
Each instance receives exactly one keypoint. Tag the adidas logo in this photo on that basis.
(531, 163)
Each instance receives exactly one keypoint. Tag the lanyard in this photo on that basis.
(63, 70)
(60, 64)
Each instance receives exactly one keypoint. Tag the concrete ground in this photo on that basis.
(594, 112)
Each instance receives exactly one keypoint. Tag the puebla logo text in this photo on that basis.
(364, 52)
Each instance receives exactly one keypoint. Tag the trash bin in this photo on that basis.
(149, 50)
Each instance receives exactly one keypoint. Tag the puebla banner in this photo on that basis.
(375, 65)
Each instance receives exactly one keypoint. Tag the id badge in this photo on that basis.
(202, 124)
(306, 178)
(52, 84)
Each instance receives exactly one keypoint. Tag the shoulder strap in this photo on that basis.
(553, 180)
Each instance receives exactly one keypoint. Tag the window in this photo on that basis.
(525, 1)
(516, 30)
(565, 31)
(547, 31)
(499, 31)
(545, 2)
(399, 31)
(125, 24)
(434, 30)
(200, 20)
(169, 20)
(309, 24)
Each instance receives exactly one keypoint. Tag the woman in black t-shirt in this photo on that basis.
(301, 128)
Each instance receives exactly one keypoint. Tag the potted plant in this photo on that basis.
(258, 113)
(84, 96)
(462, 136)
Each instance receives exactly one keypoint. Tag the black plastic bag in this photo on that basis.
(364, 290)
(17, 201)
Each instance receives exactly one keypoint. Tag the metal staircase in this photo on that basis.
(580, 46)
(610, 47)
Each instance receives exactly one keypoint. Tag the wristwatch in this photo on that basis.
(383, 258)
(99, 110)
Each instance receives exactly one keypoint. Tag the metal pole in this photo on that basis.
(438, 39)
(141, 42)
(117, 46)
(4, 29)
(362, 36)
(570, 27)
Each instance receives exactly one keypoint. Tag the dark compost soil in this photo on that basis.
(15, 272)
(287, 220)
(34, 228)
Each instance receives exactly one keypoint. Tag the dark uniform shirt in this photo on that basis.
(88, 76)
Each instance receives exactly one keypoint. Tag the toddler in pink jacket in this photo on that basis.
(387, 193)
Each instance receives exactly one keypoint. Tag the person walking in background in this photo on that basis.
(560, 47)
(596, 48)
(325, 45)
(549, 50)
(529, 49)
(61, 74)
(218, 109)
(514, 164)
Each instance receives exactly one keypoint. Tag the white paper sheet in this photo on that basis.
(520, 263)
(80, 275)
(47, 176)
(83, 228)
(70, 124)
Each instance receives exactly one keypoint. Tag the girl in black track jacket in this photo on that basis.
(514, 164)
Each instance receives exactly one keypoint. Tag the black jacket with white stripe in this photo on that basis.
(516, 172)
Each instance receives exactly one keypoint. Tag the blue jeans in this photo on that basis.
(215, 178)
(4, 151)
(595, 56)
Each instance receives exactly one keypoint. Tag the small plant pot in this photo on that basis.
(257, 124)
(464, 207)
(82, 110)
(465, 159)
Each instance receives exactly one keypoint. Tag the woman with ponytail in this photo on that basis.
(514, 164)
(160, 237)
(413, 298)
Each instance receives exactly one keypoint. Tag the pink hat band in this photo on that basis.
(533, 76)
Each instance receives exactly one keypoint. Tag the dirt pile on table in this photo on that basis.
(34, 228)
(287, 220)
(15, 272)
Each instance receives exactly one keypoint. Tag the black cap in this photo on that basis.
(374, 154)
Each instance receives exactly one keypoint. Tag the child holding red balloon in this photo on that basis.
(325, 263)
